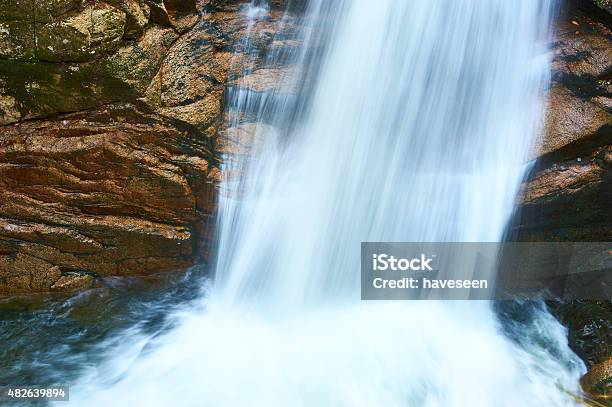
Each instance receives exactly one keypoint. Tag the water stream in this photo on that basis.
(391, 121)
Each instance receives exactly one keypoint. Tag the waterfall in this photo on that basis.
(392, 121)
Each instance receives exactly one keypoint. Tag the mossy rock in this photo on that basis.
(137, 16)
(36, 89)
(17, 40)
(136, 64)
(41, 11)
(604, 4)
(78, 36)
(52, 10)
(16, 10)
(44, 88)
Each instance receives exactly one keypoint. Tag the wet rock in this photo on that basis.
(72, 282)
(571, 118)
(580, 98)
(36, 89)
(111, 192)
(17, 39)
(193, 77)
(242, 139)
(182, 13)
(137, 16)
(40, 11)
(11, 10)
(599, 376)
(35, 275)
(41, 89)
(268, 80)
(95, 30)
(567, 197)
(191, 80)
(79, 35)
(604, 4)
(179, 14)
(137, 63)
(205, 112)
(236, 146)
(8, 109)
(158, 13)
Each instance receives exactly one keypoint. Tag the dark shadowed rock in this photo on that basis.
(604, 5)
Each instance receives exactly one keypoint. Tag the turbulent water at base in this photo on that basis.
(400, 121)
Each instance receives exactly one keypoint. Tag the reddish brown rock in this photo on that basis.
(137, 16)
(571, 118)
(107, 192)
(275, 79)
(579, 100)
(568, 195)
(71, 282)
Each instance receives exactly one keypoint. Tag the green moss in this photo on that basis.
(45, 88)
(11, 10)
(17, 40)
(604, 4)
(136, 64)
(49, 10)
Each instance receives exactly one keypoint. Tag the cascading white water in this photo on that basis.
(414, 125)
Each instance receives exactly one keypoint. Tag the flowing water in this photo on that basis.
(393, 121)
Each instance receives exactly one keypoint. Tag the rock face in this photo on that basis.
(604, 4)
(108, 119)
(107, 192)
(568, 195)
